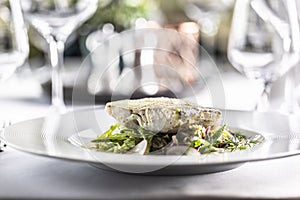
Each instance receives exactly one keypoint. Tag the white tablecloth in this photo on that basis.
(29, 176)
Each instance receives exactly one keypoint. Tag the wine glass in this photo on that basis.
(264, 41)
(14, 46)
(55, 20)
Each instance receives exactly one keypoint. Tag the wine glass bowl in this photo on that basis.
(264, 41)
(58, 18)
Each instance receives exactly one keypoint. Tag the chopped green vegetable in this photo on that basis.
(118, 139)
(222, 140)
(109, 131)
(215, 135)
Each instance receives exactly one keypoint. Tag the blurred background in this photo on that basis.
(213, 18)
(211, 23)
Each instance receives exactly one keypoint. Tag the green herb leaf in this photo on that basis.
(109, 131)
(216, 135)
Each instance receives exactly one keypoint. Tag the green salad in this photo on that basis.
(195, 139)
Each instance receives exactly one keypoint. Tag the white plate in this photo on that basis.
(50, 137)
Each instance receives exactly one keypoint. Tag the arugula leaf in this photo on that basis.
(216, 135)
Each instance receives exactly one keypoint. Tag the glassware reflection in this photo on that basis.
(264, 41)
(14, 46)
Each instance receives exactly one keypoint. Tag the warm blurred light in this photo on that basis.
(153, 24)
(189, 27)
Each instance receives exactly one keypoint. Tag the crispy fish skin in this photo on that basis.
(162, 114)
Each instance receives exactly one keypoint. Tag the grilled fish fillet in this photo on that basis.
(165, 115)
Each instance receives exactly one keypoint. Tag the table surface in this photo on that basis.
(29, 176)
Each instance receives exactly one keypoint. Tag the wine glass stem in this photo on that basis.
(56, 51)
(263, 103)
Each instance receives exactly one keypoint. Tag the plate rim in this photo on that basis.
(175, 163)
